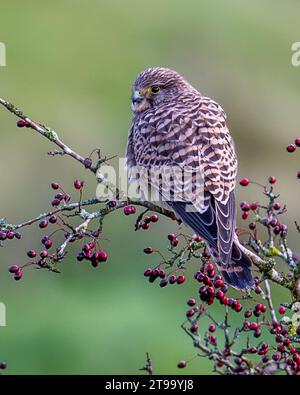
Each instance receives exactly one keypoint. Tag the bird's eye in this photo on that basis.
(155, 89)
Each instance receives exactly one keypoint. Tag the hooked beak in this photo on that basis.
(137, 97)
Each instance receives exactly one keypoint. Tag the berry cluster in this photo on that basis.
(90, 254)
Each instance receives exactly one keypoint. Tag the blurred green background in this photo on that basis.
(70, 65)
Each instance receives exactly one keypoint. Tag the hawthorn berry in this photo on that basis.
(103, 256)
(291, 148)
(212, 328)
(31, 254)
(180, 279)
(148, 250)
(181, 364)
(13, 269)
(272, 180)
(18, 275)
(154, 218)
(23, 123)
(48, 244)
(3, 365)
(282, 309)
(43, 224)
(55, 186)
(163, 282)
(172, 279)
(191, 302)
(55, 202)
(245, 215)
(3, 235)
(244, 182)
(10, 234)
(78, 184)
(53, 219)
(44, 254)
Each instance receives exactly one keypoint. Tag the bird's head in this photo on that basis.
(154, 86)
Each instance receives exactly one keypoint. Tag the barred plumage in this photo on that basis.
(177, 126)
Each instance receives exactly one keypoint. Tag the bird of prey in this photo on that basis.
(174, 124)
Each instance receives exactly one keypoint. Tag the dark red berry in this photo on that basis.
(18, 235)
(147, 272)
(55, 186)
(191, 302)
(10, 234)
(80, 257)
(43, 224)
(23, 123)
(291, 148)
(245, 215)
(245, 206)
(31, 254)
(181, 364)
(55, 202)
(3, 235)
(163, 282)
(277, 206)
(252, 225)
(53, 219)
(3, 365)
(13, 269)
(148, 250)
(103, 256)
(18, 275)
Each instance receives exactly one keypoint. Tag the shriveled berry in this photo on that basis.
(87, 163)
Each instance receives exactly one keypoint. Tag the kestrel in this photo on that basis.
(174, 124)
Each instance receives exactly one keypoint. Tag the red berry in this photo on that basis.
(245, 206)
(148, 250)
(55, 185)
(3, 365)
(247, 314)
(298, 174)
(154, 218)
(48, 244)
(212, 328)
(180, 279)
(55, 202)
(245, 215)
(13, 269)
(147, 272)
(191, 302)
(276, 206)
(103, 256)
(272, 180)
(253, 206)
(282, 310)
(244, 182)
(291, 148)
(276, 357)
(163, 283)
(197, 238)
(44, 254)
(18, 275)
(22, 123)
(31, 254)
(252, 225)
(238, 307)
(297, 142)
(210, 267)
(53, 219)
(254, 326)
(175, 242)
(78, 184)
(43, 224)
